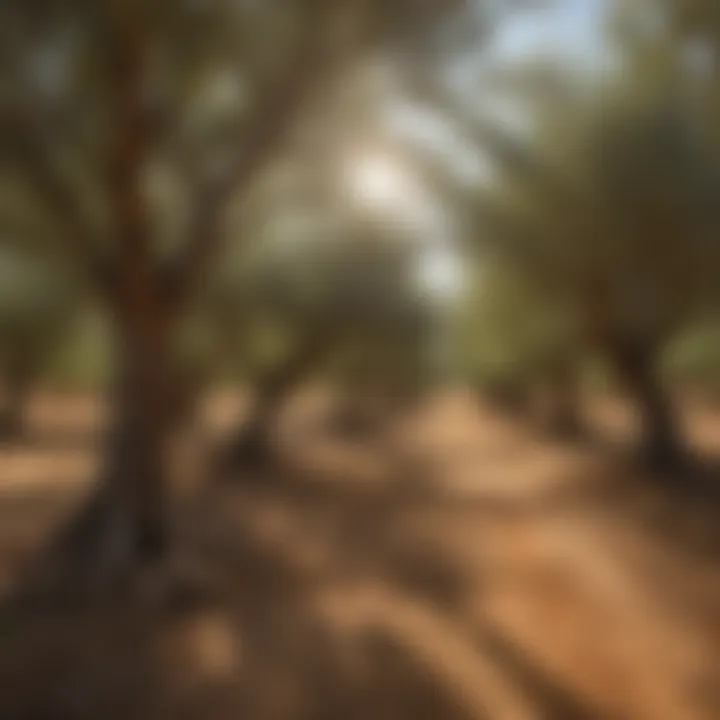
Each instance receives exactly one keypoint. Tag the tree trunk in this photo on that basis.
(563, 413)
(124, 523)
(508, 397)
(360, 415)
(662, 446)
(18, 385)
(252, 443)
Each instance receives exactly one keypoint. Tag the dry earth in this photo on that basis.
(465, 567)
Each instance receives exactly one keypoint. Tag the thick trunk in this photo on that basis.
(124, 523)
(253, 443)
(662, 446)
(136, 460)
(634, 360)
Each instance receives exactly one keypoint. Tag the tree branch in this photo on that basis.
(277, 112)
(34, 156)
(311, 349)
(334, 31)
(27, 136)
(131, 140)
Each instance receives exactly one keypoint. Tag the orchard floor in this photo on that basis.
(464, 567)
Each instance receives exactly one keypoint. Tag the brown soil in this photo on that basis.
(465, 567)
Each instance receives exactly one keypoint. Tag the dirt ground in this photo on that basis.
(462, 567)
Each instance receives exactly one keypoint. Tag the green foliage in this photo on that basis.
(511, 330)
(358, 286)
(694, 359)
(38, 308)
(611, 207)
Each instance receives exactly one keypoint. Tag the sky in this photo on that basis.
(565, 29)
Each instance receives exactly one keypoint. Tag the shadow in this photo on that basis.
(681, 509)
(555, 701)
(57, 439)
(238, 628)
(349, 427)
(311, 595)
(676, 506)
(245, 640)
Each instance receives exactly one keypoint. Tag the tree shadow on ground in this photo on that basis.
(54, 439)
(307, 595)
(677, 506)
(679, 509)
(241, 628)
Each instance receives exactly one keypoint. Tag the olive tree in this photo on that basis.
(139, 127)
(326, 300)
(611, 206)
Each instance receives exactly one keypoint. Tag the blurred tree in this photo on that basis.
(335, 301)
(611, 205)
(138, 126)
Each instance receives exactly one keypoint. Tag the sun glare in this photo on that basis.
(379, 183)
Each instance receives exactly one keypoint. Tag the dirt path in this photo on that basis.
(494, 577)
